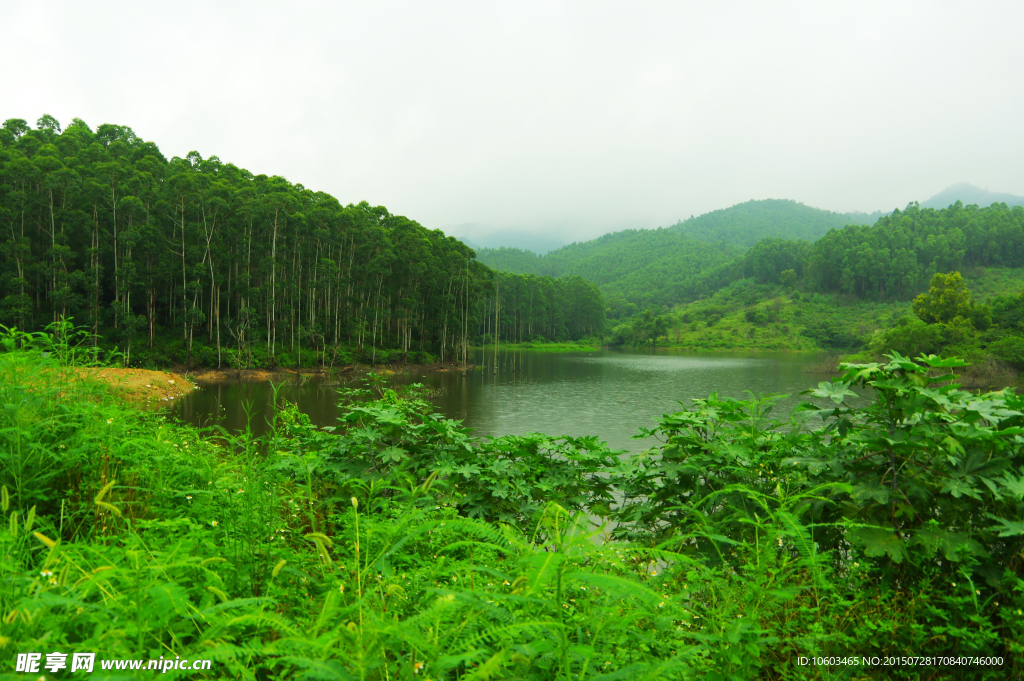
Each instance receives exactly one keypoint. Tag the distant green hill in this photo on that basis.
(538, 242)
(658, 267)
(514, 260)
(968, 194)
(747, 223)
(651, 267)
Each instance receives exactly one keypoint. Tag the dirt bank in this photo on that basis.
(141, 385)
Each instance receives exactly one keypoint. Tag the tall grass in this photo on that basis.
(397, 547)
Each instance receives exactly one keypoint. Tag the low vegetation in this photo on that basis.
(397, 546)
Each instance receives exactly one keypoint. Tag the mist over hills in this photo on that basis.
(743, 224)
(535, 242)
(968, 194)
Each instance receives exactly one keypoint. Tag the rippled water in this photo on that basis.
(606, 393)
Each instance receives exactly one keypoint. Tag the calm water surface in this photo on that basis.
(606, 393)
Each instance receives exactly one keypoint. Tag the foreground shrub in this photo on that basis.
(396, 546)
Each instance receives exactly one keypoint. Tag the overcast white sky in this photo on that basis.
(567, 118)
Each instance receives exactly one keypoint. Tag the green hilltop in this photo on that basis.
(747, 223)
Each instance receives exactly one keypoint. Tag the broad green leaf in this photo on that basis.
(953, 545)
(877, 541)
(1013, 486)
(937, 362)
(871, 490)
(836, 391)
(1007, 528)
(394, 454)
(959, 487)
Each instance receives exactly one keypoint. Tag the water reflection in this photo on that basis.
(606, 393)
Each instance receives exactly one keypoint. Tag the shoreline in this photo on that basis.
(211, 375)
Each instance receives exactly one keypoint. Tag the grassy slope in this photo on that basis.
(789, 316)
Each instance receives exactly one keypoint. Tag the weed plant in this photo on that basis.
(397, 546)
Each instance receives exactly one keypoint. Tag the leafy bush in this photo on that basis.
(909, 337)
(1010, 349)
(830, 333)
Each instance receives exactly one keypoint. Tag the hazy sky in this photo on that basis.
(567, 118)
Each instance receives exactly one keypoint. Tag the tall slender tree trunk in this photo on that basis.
(497, 304)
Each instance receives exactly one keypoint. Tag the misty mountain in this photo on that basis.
(968, 194)
(511, 238)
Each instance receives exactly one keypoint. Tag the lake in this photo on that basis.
(608, 393)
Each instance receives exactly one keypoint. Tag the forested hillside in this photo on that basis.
(176, 259)
(747, 223)
(894, 259)
(897, 256)
(633, 268)
(853, 289)
(661, 267)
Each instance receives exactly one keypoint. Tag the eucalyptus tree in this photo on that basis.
(101, 227)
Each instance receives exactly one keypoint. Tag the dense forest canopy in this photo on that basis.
(634, 268)
(100, 227)
(898, 255)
